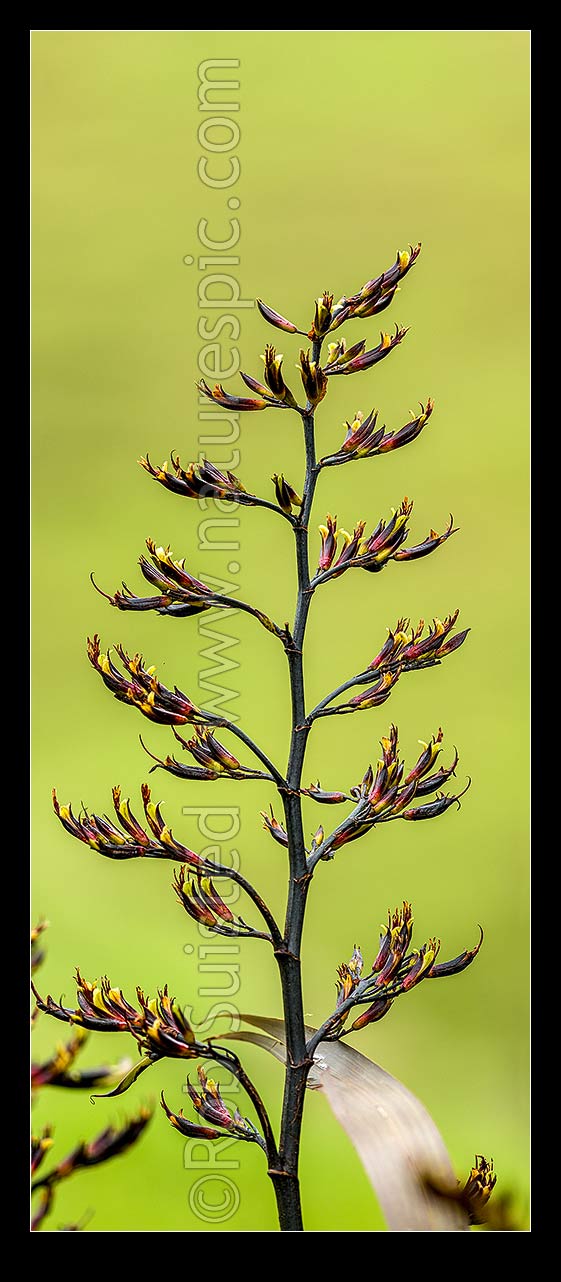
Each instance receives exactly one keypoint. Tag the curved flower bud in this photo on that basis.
(191, 1129)
(287, 498)
(376, 1011)
(432, 809)
(322, 316)
(273, 376)
(457, 964)
(375, 696)
(313, 377)
(274, 318)
(432, 541)
(220, 397)
(274, 827)
(317, 793)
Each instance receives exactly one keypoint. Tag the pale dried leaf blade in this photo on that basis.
(392, 1132)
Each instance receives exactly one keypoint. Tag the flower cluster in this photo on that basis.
(209, 1105)
(370, 300)
(394, 971)
(478, 1188)
(407, 648)
(215, 761)
(343, 362)
(133, 841)
(59, 1071)
(473, 1197)
(373, 553)
(158, 1024)
(388, 793)
(199, 481)
(180, 595)
(364, 438)
(200, 899)
(143, 690)
(112, 1142)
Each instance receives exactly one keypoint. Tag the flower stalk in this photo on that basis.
(387, 790)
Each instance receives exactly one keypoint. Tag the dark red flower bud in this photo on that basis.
(223, 398)
(314, 381)
(272, 825)
(432, 541)
(274, 318)
(287, 498)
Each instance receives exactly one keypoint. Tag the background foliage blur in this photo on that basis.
(353, 144)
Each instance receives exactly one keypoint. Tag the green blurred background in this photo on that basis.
(353, 144)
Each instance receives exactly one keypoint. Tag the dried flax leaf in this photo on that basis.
(395, 1137)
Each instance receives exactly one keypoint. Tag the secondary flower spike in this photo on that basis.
(141, 688)
(366, 359)
(200, 899)
(210, 1106)
(408, 647)
(180, 594)
(364, 439)
(113, 1141)
(200, 480)
(215, 762)
(373, 297)
(157, 1024)
(376, 294)
(405, 650)
(133, 842)
(394, 971)
(388, 793)
(372, 554)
